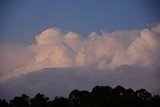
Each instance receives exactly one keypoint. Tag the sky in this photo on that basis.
(21, 20)
(55, 46)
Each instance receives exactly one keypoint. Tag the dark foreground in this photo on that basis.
(100, 96)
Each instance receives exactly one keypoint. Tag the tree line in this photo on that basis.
(100, 96)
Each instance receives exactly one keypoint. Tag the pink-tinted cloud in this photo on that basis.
(55, 48)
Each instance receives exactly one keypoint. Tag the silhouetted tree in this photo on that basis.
(22, 101)
(79, 98)
(59, 102)
(155, 102)
(100, 96)
(143, 97)
(129, 98)
(39, 101)
(4, 103)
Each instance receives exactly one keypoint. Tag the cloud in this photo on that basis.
(143, 51)
(13, 56)
(61, 61)
(61, 81)
(55, 48)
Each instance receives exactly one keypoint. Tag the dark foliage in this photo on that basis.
(100, 96)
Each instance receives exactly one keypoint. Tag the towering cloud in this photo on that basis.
(107, 51)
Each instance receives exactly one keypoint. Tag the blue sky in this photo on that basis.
(128, 57)
(21, 20)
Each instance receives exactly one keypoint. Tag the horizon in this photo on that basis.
(63, 45)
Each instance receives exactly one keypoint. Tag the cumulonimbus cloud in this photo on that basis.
(55, 48)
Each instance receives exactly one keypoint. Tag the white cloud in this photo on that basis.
(12, 57)
(143, 51)
(56, 48)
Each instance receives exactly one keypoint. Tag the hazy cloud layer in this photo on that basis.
(55, 48)
(60, 81)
